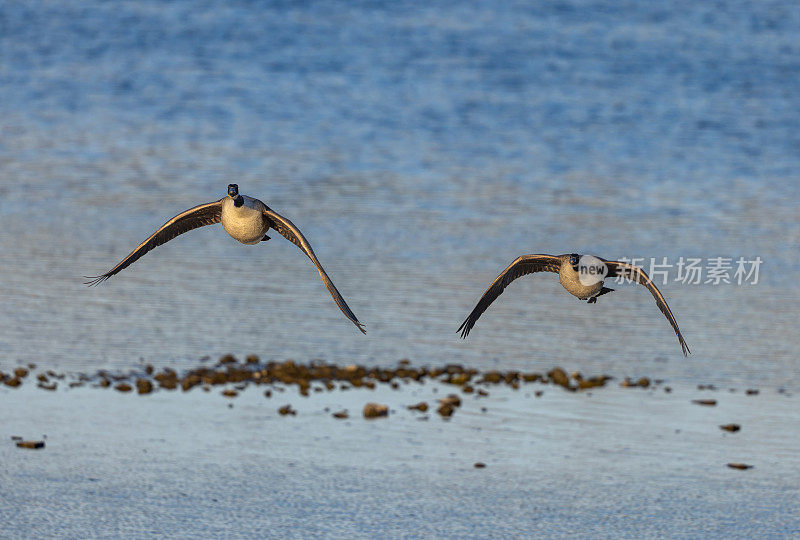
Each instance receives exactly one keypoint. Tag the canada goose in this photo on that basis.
(584, 286)
(245, 219)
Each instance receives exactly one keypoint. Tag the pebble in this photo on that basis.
(144, 386)
(733, 428)
(559, 377)
(451, 399)
(33, 445)
(287, 409)
(421, 407)
(707, 402)
(740, 466)
(375, 410)
(446, 410)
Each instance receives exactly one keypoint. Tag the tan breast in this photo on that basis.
(245, 223)
(570, 280)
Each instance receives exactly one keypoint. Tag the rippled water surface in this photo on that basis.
(420, 149)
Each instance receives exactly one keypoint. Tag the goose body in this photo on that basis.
(247, 222)
(245, 219)
(566, 266)
(570, 280)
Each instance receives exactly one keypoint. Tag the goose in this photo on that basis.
(586, 286)
(244, 218)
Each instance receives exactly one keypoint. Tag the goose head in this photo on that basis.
(233, 193)
(574, 259)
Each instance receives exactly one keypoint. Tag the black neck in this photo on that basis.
(238, 201)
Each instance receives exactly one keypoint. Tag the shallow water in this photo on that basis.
(420, 150)
(610, 463)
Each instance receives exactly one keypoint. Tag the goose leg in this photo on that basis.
(603, 290)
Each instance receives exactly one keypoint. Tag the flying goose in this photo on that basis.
(245, 219)
(585, 287)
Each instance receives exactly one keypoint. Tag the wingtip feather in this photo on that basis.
(95, 280)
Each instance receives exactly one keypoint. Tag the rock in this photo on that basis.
(482, 392)
(167, 379)
(451, 399)
(480, 465)
(751, 392)
(446, 409)
(592, 382)
(493, 377)
(287, 409)
(122, 387)
(230, 393)
(144, 386)
(644, 382)
(228, 359)
(375, 410)
(190, 381)
(33, 445)
(707, 402)
(341, 415)
(733, 428)
(539, 393)
(252, 359)
(421, 407)
(559, 377)
(740, 466)
(460, 379)
(52, 386)
(21, 372)
(13, 382)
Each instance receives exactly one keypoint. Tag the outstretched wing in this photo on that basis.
(622, 269)
(526, 264)
(205, 214)
(288, 230)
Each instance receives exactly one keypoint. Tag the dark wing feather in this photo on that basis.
(622, 269)
(288, 230)
(526, 264)
(204, 214)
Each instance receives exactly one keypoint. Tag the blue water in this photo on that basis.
(420, 148)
